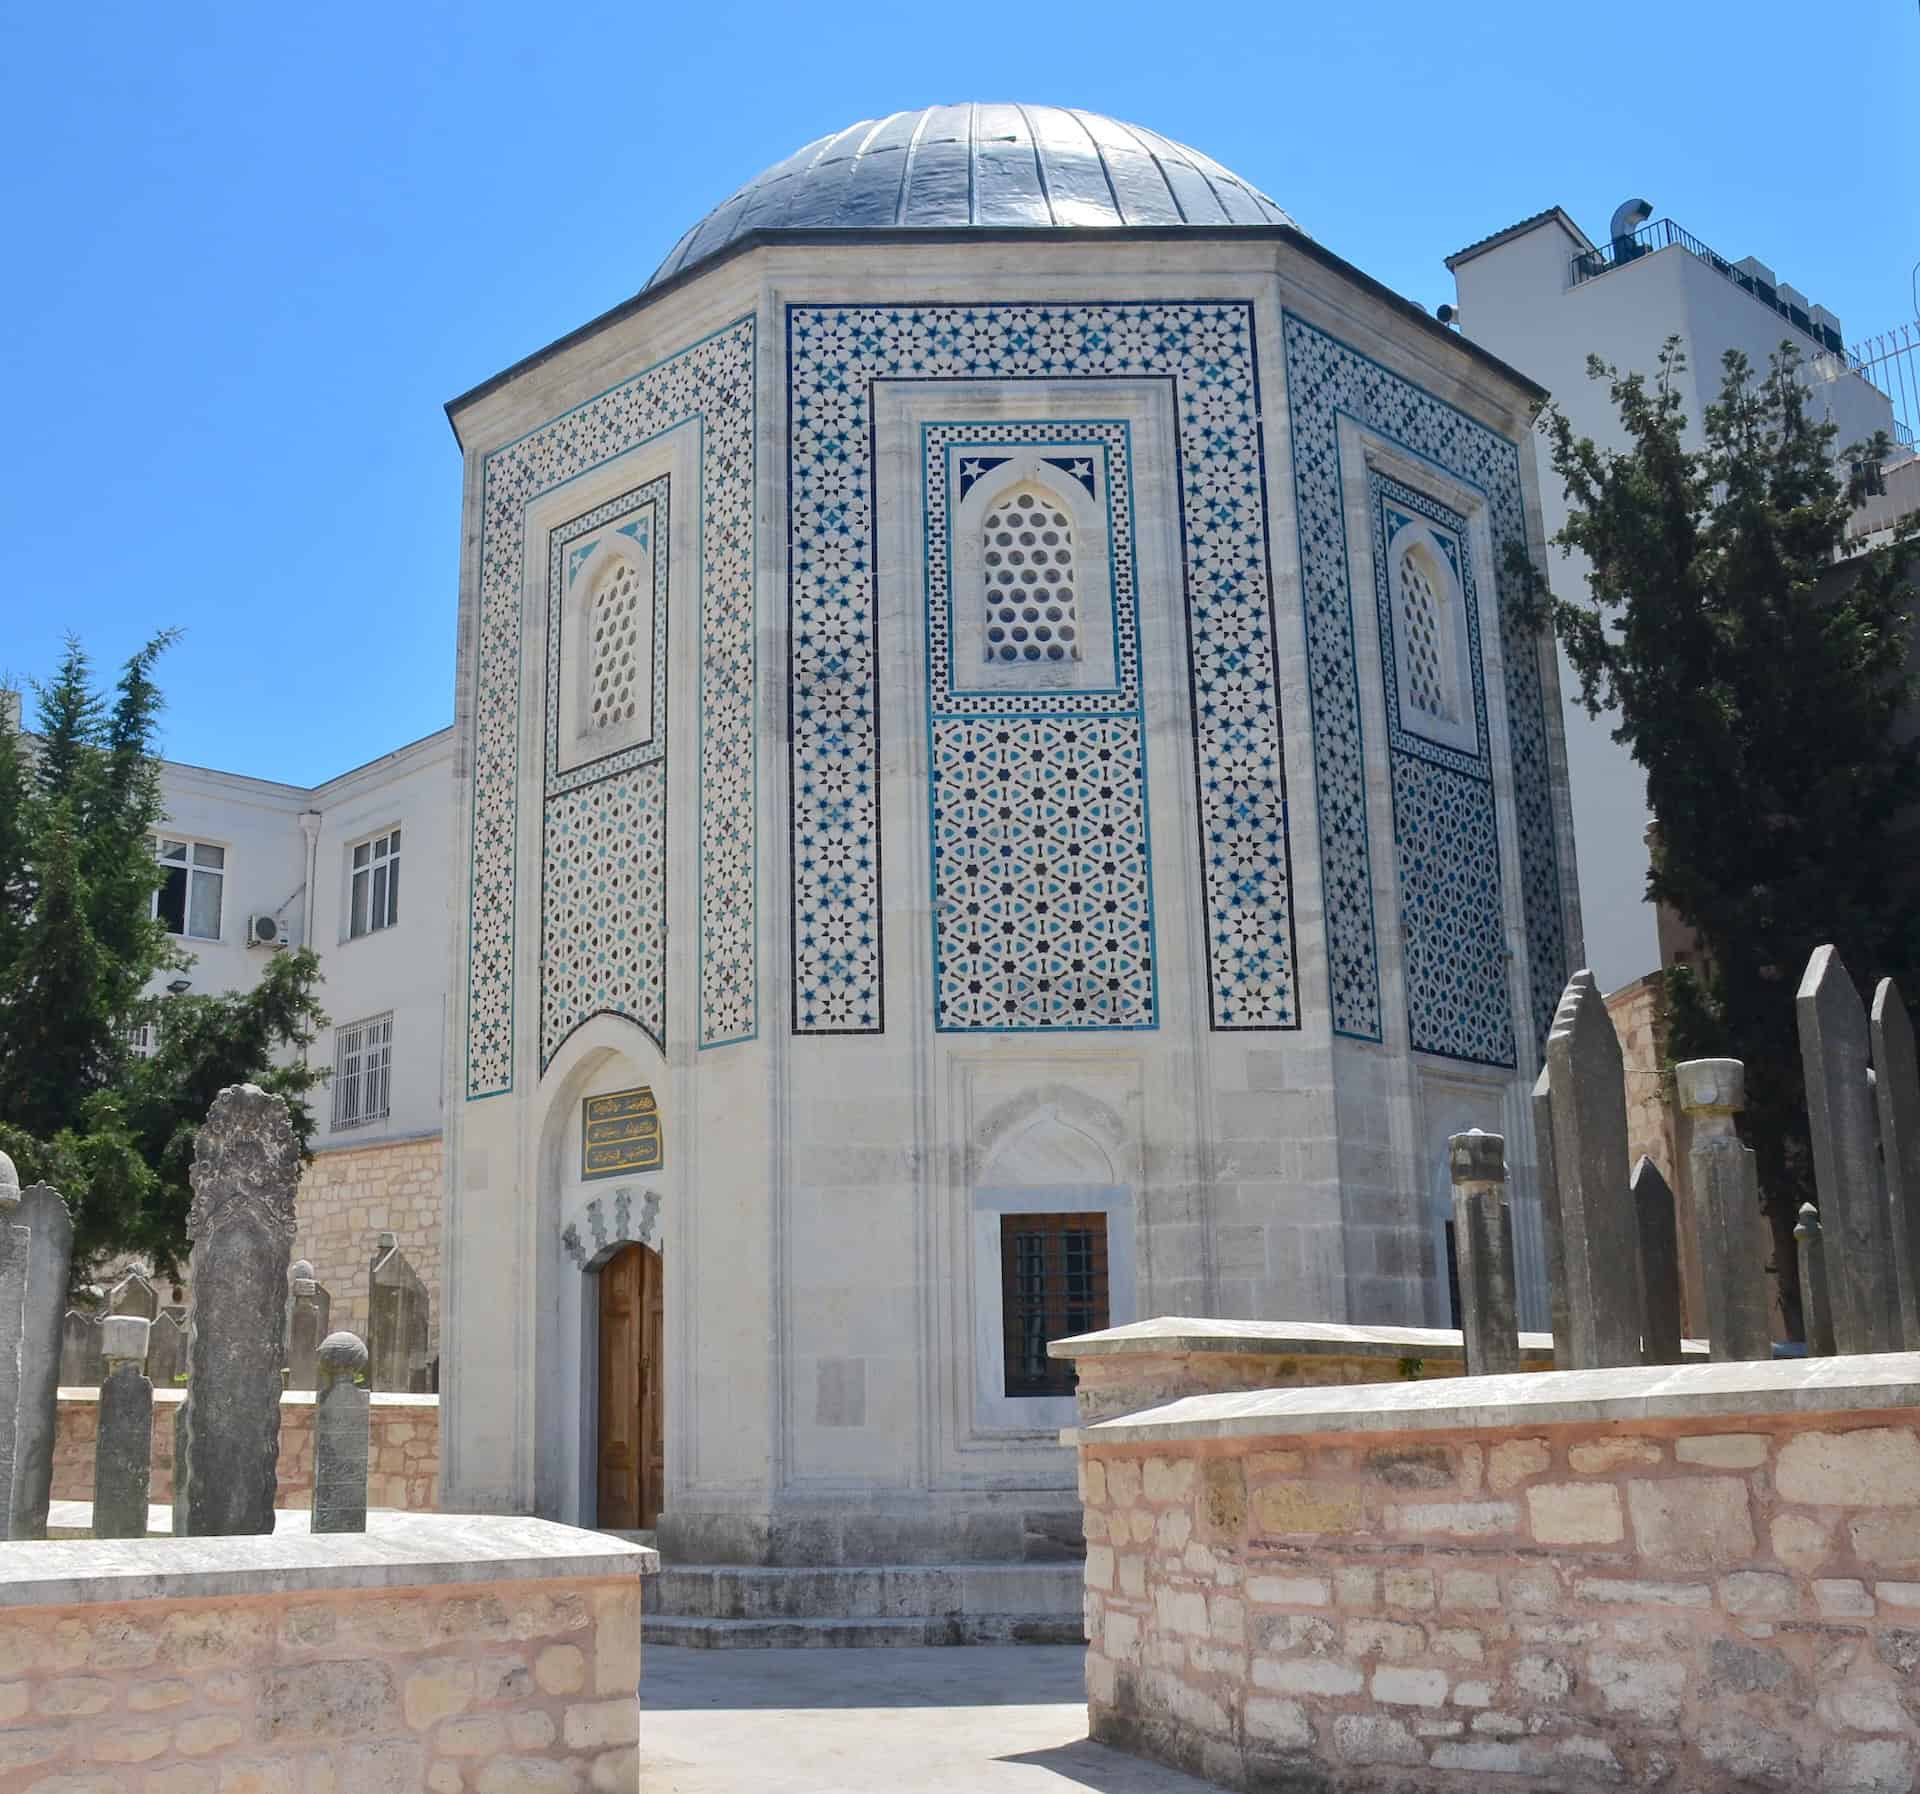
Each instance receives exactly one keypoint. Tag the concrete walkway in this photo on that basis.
(982, 1719)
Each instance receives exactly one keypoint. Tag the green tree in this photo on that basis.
(1763, 684)
(80, 946)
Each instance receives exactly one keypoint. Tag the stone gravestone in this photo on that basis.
(81, 1363)
(1598, 1229)
(1659, 1262)
(246, 1164)
(396, 1320)
(341, 1418)
(49, 1268)
(123, 1453)
(1550, 1236)
(308, 1309)
(167, 1347)
(1896, 1090)
(1726, 1197)
(1483, 1249)
(1841, 1116)
(16, 1246)
(133, 1294)
(1816, 1304)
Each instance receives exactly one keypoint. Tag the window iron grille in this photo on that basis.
(1053, 1284)
(363, 1072)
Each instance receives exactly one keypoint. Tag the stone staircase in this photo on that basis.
(765, 1607)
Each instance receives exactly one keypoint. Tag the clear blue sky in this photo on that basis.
(252, 250)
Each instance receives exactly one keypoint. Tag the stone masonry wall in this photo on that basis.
(501, 1688)
(1706, 1605)
(403, 1449)
(348, 1196)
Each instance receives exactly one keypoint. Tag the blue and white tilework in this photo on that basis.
(1205, 350)
(1446, 836)
(710, 386)
(1042, 884)
(1326, 380)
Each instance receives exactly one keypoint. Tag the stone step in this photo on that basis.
(907, 1592)
(861, 1634)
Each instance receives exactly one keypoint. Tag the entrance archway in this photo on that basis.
(631, 1474)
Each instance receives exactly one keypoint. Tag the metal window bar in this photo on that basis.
(1053, 1285)
(363, 1072)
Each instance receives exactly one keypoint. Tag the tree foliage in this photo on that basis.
(79, 950)
(1764, 687)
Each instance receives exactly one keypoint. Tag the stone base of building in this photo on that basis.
(1032, 1526)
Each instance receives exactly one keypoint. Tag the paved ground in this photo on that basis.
(974, 1720)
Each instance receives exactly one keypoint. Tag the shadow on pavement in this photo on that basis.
(674, 1679)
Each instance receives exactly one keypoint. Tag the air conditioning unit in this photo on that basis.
(266, 931)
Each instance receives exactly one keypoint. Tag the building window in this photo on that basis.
(376, 885)
(615, 656)
(1028, 549)
(1053, 1284)
(363, 1071)
(1426, 611)
(143, 1039)
(193, 876)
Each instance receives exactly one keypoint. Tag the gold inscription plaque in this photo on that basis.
(620, 1132)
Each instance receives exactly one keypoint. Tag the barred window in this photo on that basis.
(363, 1071)
(1053, 1284)
(375, 900)
(1031, 611)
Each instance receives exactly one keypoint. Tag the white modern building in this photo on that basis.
(355, 868)
(1543, 296)
(998, 793)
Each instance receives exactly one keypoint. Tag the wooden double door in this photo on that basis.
(632, 1473)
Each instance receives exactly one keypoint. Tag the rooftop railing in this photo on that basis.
(1891, 361)
(1663, 233)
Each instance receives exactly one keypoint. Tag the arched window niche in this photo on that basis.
(610, 639)
(1031, 586)
(1432, 667)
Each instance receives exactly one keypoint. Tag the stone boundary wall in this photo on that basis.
(403, 1465)
(1123, 1370)
(347, 1197)
(489, 1655)
(1702, 1577)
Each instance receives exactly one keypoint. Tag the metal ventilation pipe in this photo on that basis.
(1628, 217)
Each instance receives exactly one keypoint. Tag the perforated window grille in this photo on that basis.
(1423, 639)
(613, 645)
(363, 1071)
(1031, 615)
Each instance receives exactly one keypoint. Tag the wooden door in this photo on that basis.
(632, 1458)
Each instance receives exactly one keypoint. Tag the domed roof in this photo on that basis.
(982, 167)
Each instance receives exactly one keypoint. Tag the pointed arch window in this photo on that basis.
(616, 658)
(1028, 552)
(1426, 631)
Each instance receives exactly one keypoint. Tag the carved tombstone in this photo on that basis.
(1816, 1305)
(1659, 1262)
(1896, 1089)
(15, 1246)
(1854, 1215)
(134, 1294)
(1550, 1233)
(341, 1421)
(167, 1348)
(1598, 1228)
(1726, 1197)
(308, 1309)
(396, 1321)
(81, 1363)
(246, 1164)
(123, 1453)
(49, 1269)
(1483, 1248)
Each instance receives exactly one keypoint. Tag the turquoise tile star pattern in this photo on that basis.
(1042, 883)
(1327, 380)
(1445, 834)
(710, 386)
(1204, 349)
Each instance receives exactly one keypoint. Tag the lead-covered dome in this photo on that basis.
(982, 167)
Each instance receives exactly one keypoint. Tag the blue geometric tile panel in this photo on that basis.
(1327, 380)
(710, 384)
(1204, 350)
(1042, 888)
(1446, 836)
